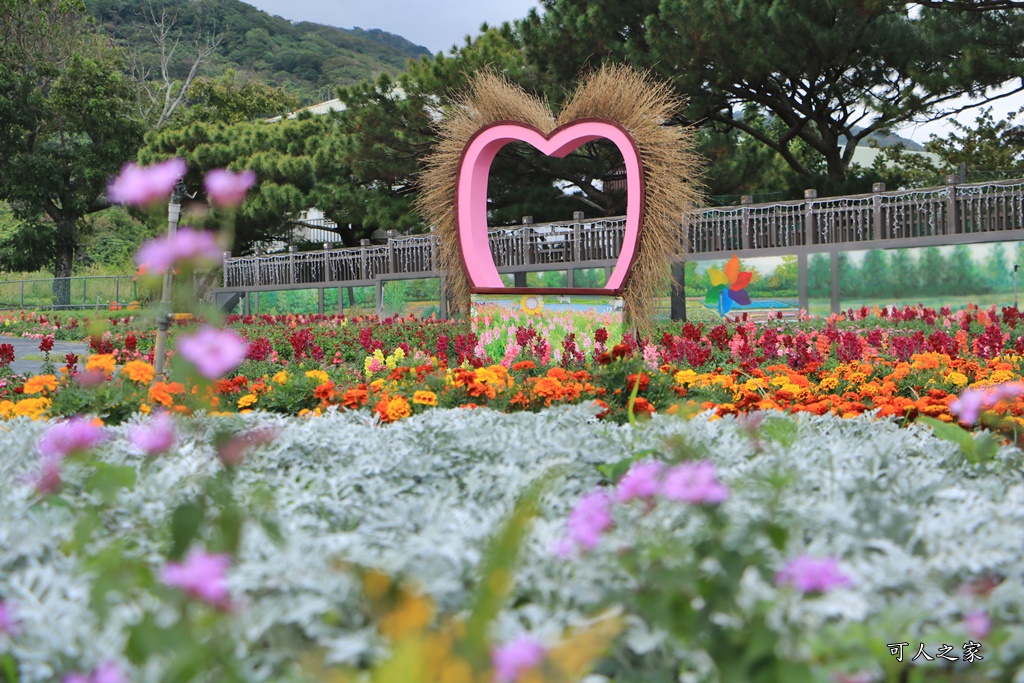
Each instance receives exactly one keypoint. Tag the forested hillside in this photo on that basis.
(309, 59)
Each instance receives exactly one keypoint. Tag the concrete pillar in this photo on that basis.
(803, 300)
(519, 279)
(320, 301)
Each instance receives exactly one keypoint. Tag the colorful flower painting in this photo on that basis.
(728, 287)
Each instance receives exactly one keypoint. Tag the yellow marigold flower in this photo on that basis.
(31, 407)
(779, 380)
(139, 371)
(280, 378)
(398, 408)
(376, 384)
(411, 616)
(246, 401)
(39, 383)
(145, 409)
(6, 408)
(684, 377)
(857, 377)
(828, 384)
(957, 378)
(753, 385)
(425, 398)
(101, 361)
(1000, 376)
(319, 375)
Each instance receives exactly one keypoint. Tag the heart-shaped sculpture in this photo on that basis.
(471, 197)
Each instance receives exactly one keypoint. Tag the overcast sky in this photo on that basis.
(439, 24)
(434, 24)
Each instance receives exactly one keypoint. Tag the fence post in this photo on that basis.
(745, 201)
(227, 257)
(327, 262)
(677, 296)
(809, 231)
(291, 263)
(952, 223)
(527, 255)
(878, 217)
(577, 235)
(834, 268)
(362, 258)
(23, 294)
(392, 256)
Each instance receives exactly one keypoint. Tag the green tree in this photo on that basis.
(932, 273)
(874, 274)
(66, 124)
(230, 98)
(997, 273)
(963, 275)
(902, 279)
(819, 276)
(830, 72)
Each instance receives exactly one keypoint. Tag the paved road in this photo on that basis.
(30, 347)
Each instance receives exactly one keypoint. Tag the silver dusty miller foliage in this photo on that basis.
(909, 520)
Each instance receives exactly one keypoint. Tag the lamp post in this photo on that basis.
(163, 319)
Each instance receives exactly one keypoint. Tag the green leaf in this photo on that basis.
(8, 668)
(955, 433)
(185, 522)
(781, 430)
(108, 480)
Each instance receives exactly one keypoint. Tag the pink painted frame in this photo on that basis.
(471, 197)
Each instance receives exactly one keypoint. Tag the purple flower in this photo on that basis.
(977, 624)
(156, 437)
(8, 624)
(972, 402)
(48, 479)
(589, 519)
(226, 188)
(146, 185)
(106, 672)
(213, 352)
(694, 482)
(812, 575)
(76, 435)
(643, 480)
(203, 576)
(160, 254)
(514, 659)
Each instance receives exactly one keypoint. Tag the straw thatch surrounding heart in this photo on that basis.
(642, 105)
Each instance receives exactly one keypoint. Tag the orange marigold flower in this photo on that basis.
(354, 398)
(645, 381)
(325, 391)
(524, 365)
(101, 361)
(557, 373)
(398, 408)
(477, 389)
(39, 383)
(520, 399)
(425, 398)
(607, 409)
(139, 371)
(246, 401)
(548, 387)
(642, 405)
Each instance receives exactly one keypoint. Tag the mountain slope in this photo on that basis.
(308, 59)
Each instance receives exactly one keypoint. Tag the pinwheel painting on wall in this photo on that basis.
(728, 287)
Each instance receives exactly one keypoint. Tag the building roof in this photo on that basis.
(318, 109)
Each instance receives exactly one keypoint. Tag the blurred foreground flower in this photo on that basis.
(516, 658)
(973, 401)
(978, 624)
(227, 189)
(694, 482)
(146, 185)
(195, 246)
(8, 624)
(76, 435)
(643, 480)
(813, 575)
(203, 576)
(214, 352)
(155, 437)
(106, 672)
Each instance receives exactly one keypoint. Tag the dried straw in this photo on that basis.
(641, 105)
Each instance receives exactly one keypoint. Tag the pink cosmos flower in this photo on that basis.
(978, 624)
(202, 575)
(232, 453)
(76, 435)
(228, 189)
(156, 437)
(812, 575)
(513, 659)
(694, 482)
(146, 185)
(643, 480)
(161, 254)
(213, 352)
(972, 402)
(589, 519)
(8, 624)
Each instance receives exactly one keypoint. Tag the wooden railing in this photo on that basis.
(950, 214)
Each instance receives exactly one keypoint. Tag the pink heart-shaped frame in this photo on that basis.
(471, 197)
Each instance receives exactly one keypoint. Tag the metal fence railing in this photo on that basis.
(86, 291)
